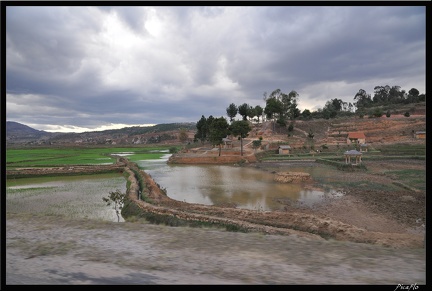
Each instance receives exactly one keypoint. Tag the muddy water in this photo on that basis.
(243, 187)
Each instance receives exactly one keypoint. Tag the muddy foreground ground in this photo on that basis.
(57, 250)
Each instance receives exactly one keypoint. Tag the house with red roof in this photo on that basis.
(357, 137)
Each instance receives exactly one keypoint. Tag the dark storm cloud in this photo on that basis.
(92, 66)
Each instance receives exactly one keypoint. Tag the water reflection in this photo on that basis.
(248, 188)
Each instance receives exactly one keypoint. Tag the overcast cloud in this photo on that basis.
(92, 68)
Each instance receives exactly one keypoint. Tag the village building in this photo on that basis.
(227, 142)
(284, 149)
(364, 147)
(356, 137)
(420, 134)
(353, 154)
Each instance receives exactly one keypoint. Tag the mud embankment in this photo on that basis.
(64, 171)
(212, 157)
(292, 222)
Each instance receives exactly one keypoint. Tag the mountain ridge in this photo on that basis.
(18, 133)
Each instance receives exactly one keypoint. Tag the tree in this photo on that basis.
(251, 113)
(209, 121)
(293, 111)
(202, 129)
(281, 121)
(306, 114)
(290, 127)
(311, 134)
(259, 111)
(363, 100)
(273, 108)
(396, 95)
(413, 96)
(286, 104)
(232, 111)
(183, 136)
(243, 110)
(256, 144)
(117, 198)
(218, 129)
(240, 128)
(338, 104)
(381, 94)
(333, 107)
(414, 92)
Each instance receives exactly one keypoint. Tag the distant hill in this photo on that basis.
(13, 127)
(396, 128)
(17, 133)
(21, 133)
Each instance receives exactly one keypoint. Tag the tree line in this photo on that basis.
(214, 130)
(281, 107)
(364, 103)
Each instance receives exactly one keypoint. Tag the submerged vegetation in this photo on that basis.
(73, 196)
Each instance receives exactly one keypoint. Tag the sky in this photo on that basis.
(88, 68)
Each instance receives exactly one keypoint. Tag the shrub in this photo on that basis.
(378, 113)
(290, 128)
(117, 198)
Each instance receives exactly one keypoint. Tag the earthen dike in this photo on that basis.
(293, 222)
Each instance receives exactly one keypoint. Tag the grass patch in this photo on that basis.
(364, 185)
(403, 149)
(411, 177)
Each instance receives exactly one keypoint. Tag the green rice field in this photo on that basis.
(52, 157)
(69, 196)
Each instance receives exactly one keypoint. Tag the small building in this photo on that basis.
(272, 146)
(227, 142)
(364, 147)
(284, 149)
(356, 137)
(353, 154)
(420, 134)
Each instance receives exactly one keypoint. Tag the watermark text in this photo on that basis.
(406, 287)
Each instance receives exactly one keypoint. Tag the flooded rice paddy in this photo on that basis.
(242, 187)
(70, 196)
